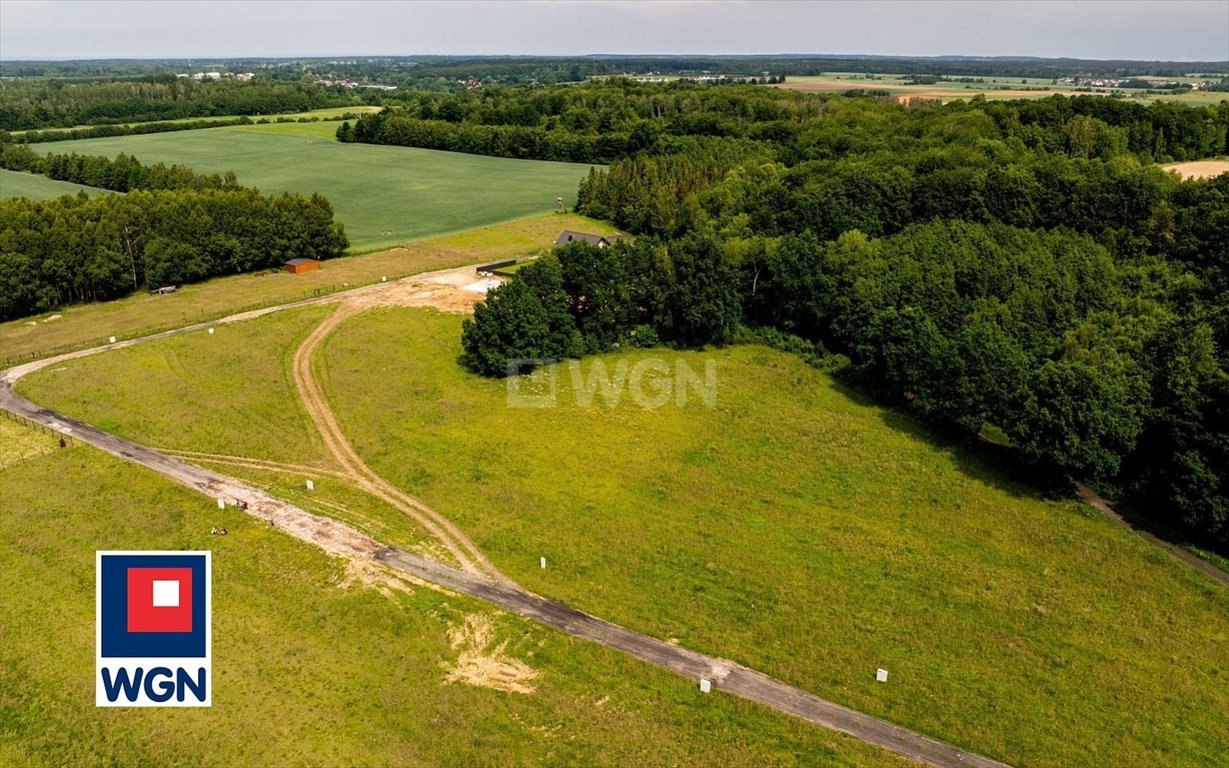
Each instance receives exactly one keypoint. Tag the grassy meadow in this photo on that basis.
(384, 195)
(82, 325)
(311, 668)
(36, 187)
(792, 527)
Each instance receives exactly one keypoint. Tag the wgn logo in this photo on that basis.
(153, 643)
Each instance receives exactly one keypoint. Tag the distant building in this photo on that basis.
(299, 266)
(572, 237)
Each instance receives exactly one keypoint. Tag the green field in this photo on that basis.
(36, 187)
(311, 668)
(384, 195)
(83, 325)
(792, 527)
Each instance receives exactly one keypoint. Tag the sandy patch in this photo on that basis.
(1199, 169)
(481, 286)
(373, 575)
(478, 663)
(451, 290)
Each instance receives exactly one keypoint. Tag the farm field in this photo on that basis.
(36, 187)
(89, 324)
(903, 87)
(384, 195)
(1199, 169)
(318, 662)
(792, 527)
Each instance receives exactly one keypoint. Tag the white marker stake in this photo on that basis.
(881, 675)
(542, 561)
(384, 279)
(221, 504)
(705, 685)
(112, 339)
(311, 486)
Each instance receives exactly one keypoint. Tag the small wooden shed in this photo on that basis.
(299, 266)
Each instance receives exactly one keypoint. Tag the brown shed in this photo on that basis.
(299, 266)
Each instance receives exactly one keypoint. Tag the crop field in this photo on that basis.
(384, 195)
(1199, 169)
(903, 87)
(91, 324)
(36, 187)
(791, 526)
(320, 663)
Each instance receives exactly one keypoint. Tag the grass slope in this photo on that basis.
(792, 527)
(311, 671)
(91, 324)
(384, 195)
(37, 187)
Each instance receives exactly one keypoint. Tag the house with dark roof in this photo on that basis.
(569, 236)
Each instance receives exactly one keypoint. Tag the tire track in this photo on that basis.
(310, 395)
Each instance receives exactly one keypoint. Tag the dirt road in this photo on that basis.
(477, 576)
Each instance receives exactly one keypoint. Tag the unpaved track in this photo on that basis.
(478, 577)
(1190, 558)
(464, 550)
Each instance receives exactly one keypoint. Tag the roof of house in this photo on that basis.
(568, 236)
(297, 262)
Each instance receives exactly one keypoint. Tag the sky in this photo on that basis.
(1177, 30)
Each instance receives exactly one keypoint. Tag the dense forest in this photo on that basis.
(80, 248)
(606, 121)
(1022, 266)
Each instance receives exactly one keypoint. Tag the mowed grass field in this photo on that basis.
(384, 195)
(792, 527)
(140, 314)
(311, 667)
(35, 187)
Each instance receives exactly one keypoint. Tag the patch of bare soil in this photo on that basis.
(373, 575)
(449, 290)
(484, 663)
(1199, 169)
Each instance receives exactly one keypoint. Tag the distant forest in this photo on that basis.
(1022, 266)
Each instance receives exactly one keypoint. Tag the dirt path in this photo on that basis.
(1190, 558)
(317, 407)
(306, 470)
(477, 577)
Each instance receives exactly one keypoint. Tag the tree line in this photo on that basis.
(121, 174)
(37, 103)
(1020, 266)
(79, 248)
